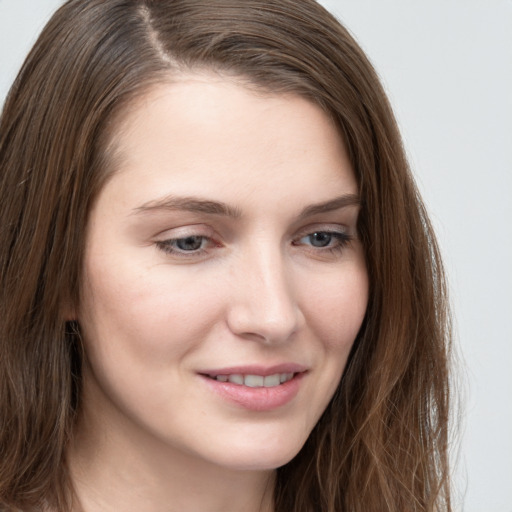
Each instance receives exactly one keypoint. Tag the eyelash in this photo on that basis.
(342, 240)
(167, 246)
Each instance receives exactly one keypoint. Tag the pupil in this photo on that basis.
(320, 239)
(191, 243)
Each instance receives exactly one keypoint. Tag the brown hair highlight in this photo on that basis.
(381, 445)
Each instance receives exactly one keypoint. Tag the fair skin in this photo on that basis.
(224, 247)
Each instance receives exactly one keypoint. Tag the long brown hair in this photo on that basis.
(381, 445)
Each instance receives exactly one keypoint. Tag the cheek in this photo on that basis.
(139, 325)
(336, 307)
(152, 312)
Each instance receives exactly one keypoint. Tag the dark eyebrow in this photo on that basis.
(198, 205)
(331, 205)
(191, 204)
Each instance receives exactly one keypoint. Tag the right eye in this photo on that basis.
(185, 246)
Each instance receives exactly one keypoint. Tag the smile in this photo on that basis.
(255, 381)
(256, 390)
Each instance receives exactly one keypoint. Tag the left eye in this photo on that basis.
(323, 239)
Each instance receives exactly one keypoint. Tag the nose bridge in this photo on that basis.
(264, 304)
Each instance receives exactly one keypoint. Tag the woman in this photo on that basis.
(219, 287)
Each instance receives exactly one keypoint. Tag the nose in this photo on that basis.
(263, 303)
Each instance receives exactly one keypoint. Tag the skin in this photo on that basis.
(259, 289)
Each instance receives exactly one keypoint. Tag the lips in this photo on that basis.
(256, 388)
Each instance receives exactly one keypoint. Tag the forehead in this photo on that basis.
(217, 133)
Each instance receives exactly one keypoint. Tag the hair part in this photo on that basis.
(382, 442)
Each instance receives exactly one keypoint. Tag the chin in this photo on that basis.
(260, 456)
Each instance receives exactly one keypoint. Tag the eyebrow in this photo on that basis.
(190, 204)
(331, 205)
(199, 205)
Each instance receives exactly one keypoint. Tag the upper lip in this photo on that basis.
(255, 369)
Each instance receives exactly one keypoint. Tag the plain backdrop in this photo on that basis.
(447, 67)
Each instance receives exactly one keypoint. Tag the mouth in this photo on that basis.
(255, 387)
(253, 380)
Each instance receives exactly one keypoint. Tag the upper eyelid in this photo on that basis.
(324, 227)
(185, 231)
(208, 232)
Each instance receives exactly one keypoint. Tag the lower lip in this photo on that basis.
(257, 399)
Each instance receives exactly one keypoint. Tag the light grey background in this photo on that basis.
(447, 66)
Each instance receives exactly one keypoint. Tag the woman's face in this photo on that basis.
(224, 281)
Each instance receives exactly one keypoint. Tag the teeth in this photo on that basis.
(271, 380)
(255, 381)
(236, 379)
(285, 377)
